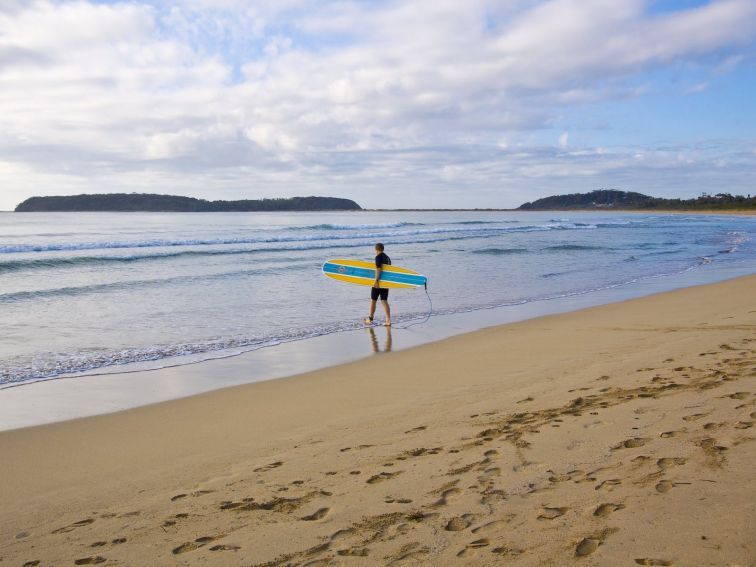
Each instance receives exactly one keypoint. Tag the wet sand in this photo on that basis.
(619, 434)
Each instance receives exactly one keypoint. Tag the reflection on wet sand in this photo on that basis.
(374, 340)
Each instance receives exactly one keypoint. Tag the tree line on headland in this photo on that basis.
(144, 202)
(628, 200)
(133, 202)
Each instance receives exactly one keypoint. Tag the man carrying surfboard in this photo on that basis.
(381, 259)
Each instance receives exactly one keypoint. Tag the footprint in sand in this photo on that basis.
(473, 546)
(32, 563)
(489, 473)
(192, 545)
(90, 560)
(457, 524)
(130, 514)
(390, 500)
(664, 486)
(506, 550)
(73, 526)
(739, 395)
(342, 534)
(317, 515)
(631, 443)
(419, 428)
(586, 546)
(496, 525)
(551, 513)
(419, 452)
(447, 496)
(356, 552)
(649, 561)
(461, 470)
(713, 451)
(225, 547)
(668, 434)
(570, 475)
(380, 477)
(667, 462)
(695, 416)
(608, 484)
(268, 467)
(590, 543)
(605, 509)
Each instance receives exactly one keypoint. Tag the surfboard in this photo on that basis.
(363, 273)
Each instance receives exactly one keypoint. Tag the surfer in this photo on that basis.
(381, 259)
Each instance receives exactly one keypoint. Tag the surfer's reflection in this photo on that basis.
(374, 340)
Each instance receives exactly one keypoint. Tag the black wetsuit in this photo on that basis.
(381, 260)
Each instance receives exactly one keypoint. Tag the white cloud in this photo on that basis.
(328, 97)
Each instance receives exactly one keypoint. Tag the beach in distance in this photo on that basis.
(616, 435)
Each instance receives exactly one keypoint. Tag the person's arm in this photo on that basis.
(377, 277)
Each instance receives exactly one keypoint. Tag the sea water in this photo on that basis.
(103, 292)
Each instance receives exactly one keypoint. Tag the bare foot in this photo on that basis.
(387, 324)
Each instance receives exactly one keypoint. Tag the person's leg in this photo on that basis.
(387, 310)
(369, 318)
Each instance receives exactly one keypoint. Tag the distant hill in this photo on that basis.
(133, 202)
(613, 199)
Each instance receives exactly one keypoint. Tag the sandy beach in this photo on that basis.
(616, 435)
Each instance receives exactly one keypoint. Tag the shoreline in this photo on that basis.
(431, 454)
(712, 212)
(116, 389)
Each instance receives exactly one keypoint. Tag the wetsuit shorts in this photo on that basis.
(376, 292)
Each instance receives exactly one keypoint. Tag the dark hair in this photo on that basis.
(379, 247)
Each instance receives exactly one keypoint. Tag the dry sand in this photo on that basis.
(617, 435)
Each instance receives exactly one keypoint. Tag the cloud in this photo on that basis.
(281, 98)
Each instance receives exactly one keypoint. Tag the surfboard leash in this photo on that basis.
(428, 316)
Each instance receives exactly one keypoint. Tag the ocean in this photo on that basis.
(84, 293)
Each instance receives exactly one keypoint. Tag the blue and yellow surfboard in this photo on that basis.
(363, 273)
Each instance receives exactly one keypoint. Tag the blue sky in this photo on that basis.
(418, 103)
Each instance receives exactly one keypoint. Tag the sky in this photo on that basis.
(408, 103)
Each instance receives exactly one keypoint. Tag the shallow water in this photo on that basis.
(98, 292)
